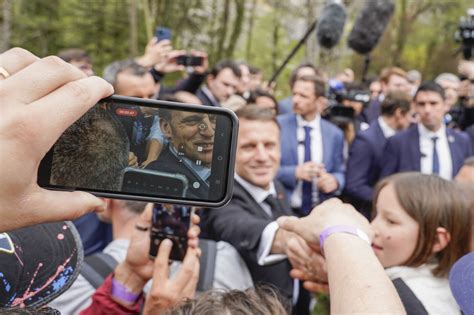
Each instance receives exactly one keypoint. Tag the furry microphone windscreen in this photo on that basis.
(331, 25)
(370, 25)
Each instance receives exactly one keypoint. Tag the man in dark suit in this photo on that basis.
(221, 83)
(188, 149)
(363, 165)
(428, 147)
(311, 158)
(392, 79)
(248, 222)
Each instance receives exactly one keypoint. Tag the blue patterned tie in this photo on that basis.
(307, 203)
(435, 157)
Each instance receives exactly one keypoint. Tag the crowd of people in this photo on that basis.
(360, 190)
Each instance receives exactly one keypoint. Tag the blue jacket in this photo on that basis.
(363, 165)
(402, 152)
(333, 142)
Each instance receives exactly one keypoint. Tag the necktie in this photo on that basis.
(275, 205)
(307, 186)
(435, 157)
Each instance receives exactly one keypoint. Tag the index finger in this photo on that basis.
(161, 267)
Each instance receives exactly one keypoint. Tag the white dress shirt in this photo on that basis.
(268, 235)
(386, 129)
(316, 152)
(442, 147)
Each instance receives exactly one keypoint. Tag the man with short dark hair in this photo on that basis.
(221, 83)
(248, 221)
(428, 147)
(285, 106)
(363, 166)
(311, 158)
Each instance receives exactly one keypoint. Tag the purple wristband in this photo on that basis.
(341, 229)
(122, 293)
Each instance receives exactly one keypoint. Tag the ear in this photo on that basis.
(442, 239)
(166, 128)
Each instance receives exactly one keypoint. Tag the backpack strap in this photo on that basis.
(97, 267)
(207, 264)
(412, 304)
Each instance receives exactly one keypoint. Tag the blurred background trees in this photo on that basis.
(261, 32)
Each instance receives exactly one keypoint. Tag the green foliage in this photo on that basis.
(419, 36)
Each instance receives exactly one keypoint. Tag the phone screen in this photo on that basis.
(146, 150)
(171, 222)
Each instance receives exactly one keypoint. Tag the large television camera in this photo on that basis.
(465, 34)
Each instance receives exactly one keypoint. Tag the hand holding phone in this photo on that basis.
(189, 60)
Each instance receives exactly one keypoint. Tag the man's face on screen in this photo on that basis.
(193, 134)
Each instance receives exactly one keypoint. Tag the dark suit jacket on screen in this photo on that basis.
(169, 163)
(241, 223)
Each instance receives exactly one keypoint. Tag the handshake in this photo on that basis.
(303, 245)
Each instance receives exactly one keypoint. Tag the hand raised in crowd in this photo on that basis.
(329, 213)
(132, 159)
(155, 53)
(327, 183)
(308, 170)
(137, 268)
(165, 292)
(169, 64)
(34, 115)
(205, 62)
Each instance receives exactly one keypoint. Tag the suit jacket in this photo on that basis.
(363, 166)
(372, 111)
(333, 143)
(169, 163)
(205, 100)
(402, 151)
(285, 106)
(241, 223)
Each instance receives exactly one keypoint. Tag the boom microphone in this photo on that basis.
(331, 25)
(370, 25)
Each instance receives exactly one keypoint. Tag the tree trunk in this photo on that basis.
(401, 34)
(223, 31)
(248, 47)
(132, 14)
(6, 25)
(312, 49)
(239, 19)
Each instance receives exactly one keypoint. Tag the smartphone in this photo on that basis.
(162, 33)
(171, 222)
(189, 60)
(99, 153)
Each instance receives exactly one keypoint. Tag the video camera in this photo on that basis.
(336, 111)
(465, 34)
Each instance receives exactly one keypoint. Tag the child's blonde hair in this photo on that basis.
(432, 202)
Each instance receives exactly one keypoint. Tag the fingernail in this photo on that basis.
(167, 242)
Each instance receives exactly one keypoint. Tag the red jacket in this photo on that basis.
(104, 304)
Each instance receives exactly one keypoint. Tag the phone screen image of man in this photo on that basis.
(171, 222)
(189, 148)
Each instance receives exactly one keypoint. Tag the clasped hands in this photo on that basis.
(303, 248)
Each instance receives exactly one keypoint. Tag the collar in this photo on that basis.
(315, 123)
(202, 171)
(258, 193)
(425, 133)
(210, 96)
(386, 129)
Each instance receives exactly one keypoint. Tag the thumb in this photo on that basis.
(61, 205)
(288, 223)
